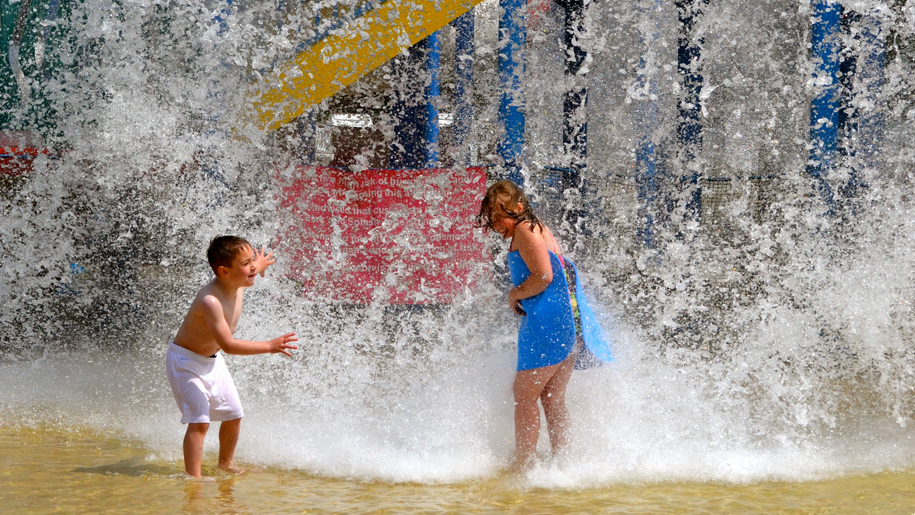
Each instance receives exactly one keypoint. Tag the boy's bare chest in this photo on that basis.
(232, 312)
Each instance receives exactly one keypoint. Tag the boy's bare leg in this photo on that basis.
(553, 399)
(228, 439)
(193, 447)
(529, 384)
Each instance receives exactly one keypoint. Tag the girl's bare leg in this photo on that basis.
(553, 398)
(529, 384)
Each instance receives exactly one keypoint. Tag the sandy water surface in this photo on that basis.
(68, 470)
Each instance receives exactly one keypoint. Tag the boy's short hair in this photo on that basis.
(223, 250)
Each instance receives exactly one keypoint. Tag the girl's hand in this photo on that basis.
(263, 260)
(515, 303)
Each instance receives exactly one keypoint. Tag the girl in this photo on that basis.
(546, 339)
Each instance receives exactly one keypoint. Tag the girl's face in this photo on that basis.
(502, 222)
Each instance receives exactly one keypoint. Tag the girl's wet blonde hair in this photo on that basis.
(506, 193)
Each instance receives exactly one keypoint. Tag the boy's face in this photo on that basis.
(243, 270)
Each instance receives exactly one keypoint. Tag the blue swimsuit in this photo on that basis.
(547, 332)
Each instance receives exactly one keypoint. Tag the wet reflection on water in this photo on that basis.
(201, 497)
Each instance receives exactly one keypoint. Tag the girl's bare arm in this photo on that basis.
(537, 258)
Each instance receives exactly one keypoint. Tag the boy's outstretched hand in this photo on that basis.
(263, 260)
(281, 344)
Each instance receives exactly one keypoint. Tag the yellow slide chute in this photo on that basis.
(347, 54)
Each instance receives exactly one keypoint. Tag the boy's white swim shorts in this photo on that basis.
(202, 386)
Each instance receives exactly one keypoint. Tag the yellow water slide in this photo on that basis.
(348, 53)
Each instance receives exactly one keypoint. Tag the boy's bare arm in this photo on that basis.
(216, 322)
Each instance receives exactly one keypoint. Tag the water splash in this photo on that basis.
(768, 338)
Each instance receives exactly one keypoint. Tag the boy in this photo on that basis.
(197, 373)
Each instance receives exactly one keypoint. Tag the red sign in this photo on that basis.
(400, 236)
(18, 150)
(17, 161)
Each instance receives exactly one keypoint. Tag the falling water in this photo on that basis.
(767, 336)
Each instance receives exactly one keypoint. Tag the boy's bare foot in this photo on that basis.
(231, 468)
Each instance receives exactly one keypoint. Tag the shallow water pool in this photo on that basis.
(68, 470)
